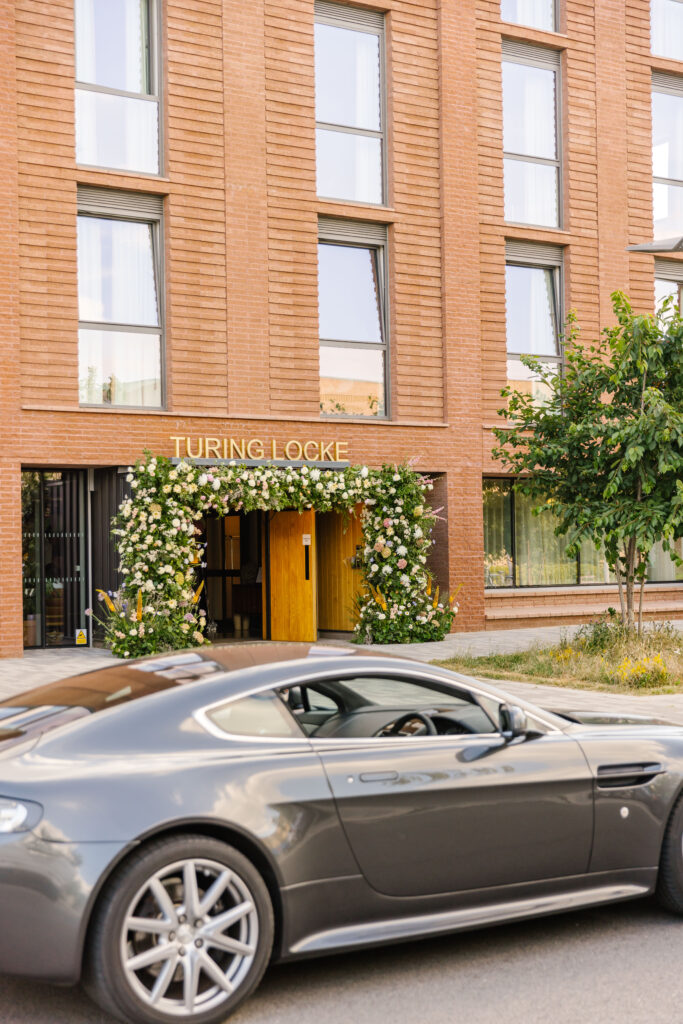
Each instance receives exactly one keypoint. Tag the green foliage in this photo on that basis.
(604, 453)
(159, 547)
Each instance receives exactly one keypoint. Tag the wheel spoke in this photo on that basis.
(190, 981)
(229, 945)
(223, 921)
(164, 980)
(215, 973)
(191, 890)
(150, 956)
(214, 893)
(150, 925)
(163, 899)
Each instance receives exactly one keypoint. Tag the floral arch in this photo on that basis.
(157, 607)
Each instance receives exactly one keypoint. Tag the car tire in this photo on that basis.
(157, 951)
(670, 877)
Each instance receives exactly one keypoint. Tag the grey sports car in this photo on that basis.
(170, 825)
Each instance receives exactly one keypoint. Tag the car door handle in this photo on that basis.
(613, 775)
(378, 776)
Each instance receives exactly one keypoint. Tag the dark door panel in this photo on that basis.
(425, 816)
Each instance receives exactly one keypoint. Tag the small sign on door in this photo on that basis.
(81, 637)
(306, 540)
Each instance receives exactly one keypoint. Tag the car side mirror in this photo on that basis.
(513, 721)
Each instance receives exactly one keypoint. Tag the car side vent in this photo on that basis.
(612, 776)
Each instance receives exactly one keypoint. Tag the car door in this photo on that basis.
(436, 814)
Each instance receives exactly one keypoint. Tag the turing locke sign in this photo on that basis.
(231, 448)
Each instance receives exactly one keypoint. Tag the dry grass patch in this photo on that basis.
(602, 656)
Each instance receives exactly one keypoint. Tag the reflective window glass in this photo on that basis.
(348, 106)
(116, 279)
(667, 163)
(260, 714)
(347, 77)
(112, 44)
(530, 310)
(667, 28)
(529, 110)
(527, 381)
(530, 193)
(498, 566)
(661, 566)
(535, 13)
(351, 380)
(349, 166)
(667, 206)
(349, 293)
(117, 131)
(119, 368)
(540, 555)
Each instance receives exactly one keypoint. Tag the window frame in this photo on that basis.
(370, 23)
(155, 95)
(140, 208)
(361, 235)
(544, 257)
(514, 52)
(670, 271)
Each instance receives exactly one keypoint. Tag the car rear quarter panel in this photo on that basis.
(630, 820)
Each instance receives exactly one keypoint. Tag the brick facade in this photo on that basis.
(240, 230)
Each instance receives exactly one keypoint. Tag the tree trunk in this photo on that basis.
(622, 606)
(630, 583)
(640, 606)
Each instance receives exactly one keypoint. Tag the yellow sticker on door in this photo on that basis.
(81, 637)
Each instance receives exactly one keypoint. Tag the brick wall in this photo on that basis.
(241, 230)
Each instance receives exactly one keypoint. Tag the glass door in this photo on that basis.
(54, 556)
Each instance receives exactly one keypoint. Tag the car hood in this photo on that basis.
(602, 718)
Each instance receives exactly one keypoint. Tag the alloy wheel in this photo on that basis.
(189, 937)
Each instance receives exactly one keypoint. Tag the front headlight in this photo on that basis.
(18, 815)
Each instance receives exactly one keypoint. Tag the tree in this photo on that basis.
(604, 452)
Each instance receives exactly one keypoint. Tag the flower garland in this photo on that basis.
(157, 607)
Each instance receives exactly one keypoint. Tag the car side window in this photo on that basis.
(381, 705)
(262, 714)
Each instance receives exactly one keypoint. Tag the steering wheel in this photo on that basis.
(396, 726)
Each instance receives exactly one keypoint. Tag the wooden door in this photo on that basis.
(338, 538)
(293, 578)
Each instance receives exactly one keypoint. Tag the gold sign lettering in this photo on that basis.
(232, 449)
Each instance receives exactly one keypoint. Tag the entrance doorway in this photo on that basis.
(53, 556)
(233, 575)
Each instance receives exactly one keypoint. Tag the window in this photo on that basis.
(533, 310)
(117, 102)
(668, 281)
(530, 137)
(363, 707)
(667, 28)
(352, 318)
(521, 550)
(260, 714)
(349, 103)
(667, 155)
(119, 298)
(534, 13)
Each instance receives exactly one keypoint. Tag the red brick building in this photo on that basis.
(334, 224)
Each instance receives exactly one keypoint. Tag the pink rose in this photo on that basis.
(387, 522)
(401, 563)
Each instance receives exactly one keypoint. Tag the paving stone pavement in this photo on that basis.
(39, 667)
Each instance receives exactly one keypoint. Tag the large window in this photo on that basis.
(533, 311)
(349, 103)
(352, 318)
(534, 13)
(667, 155)
(667, 28)
(119, 300)
(521, 550)
(117, 103)
(530, 136)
